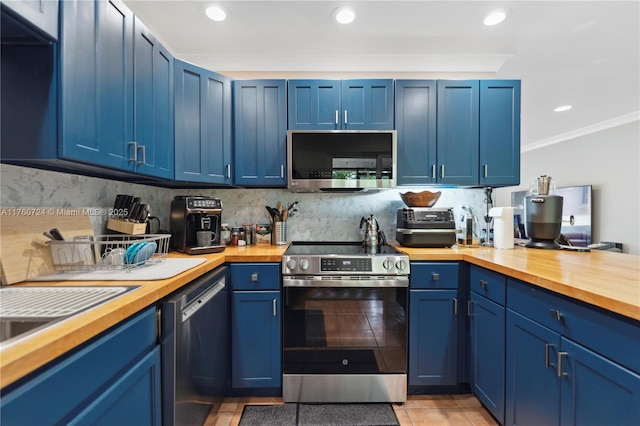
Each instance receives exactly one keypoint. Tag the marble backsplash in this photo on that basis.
(331, 217)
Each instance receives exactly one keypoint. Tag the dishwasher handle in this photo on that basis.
(196, 304)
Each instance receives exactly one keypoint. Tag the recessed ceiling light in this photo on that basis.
(216, 13)
(495, 18)
(563, 108)
(344, 15)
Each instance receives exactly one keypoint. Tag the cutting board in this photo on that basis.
(23, 252)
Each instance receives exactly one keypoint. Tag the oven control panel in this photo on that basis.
(355, 264)
(346, 265)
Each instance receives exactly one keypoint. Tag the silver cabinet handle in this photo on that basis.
(254, 277)
(455, 306)
(486, 170)
(442, 170)
(547, 364)
(468, 308)
(275, 308)
(559, 371)
(435, 276)
(282, 171)
(228, 166)
(135, 151)
(433, 171)
(556, 314)
(345, 117)
(337, 117)
(144, 154)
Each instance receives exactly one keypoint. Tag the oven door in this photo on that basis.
(345, 343)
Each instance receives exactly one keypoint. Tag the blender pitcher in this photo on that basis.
(543, 185)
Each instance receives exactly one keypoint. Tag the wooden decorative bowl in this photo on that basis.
(420, 199)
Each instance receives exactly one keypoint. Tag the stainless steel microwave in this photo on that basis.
(341, 160)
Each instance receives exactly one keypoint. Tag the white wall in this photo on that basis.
(609, 160)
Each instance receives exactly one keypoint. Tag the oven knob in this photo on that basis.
(304, 264)
(291, 264)
(387, 264)
(401, 264)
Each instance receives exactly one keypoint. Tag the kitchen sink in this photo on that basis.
(27, 310)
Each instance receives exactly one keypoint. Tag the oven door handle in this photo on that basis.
(344, 281)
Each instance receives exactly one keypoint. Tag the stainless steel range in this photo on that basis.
(344, 323)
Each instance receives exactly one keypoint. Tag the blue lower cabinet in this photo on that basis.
(594, 390)
(487, 353)
(256, 339)
(114, 379)
(533, 390)
(433, 338)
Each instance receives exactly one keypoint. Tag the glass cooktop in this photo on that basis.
(345, 248)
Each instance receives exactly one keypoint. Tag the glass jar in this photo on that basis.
(235, 235)
(225, 234)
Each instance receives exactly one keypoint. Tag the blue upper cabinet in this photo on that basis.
(341, 105)
(153, 88)
(458, 131)
(314, 104)
(96, 100)
(416, 127)
(202, 125)
(499, 132)
(38, 15)
(260, 132)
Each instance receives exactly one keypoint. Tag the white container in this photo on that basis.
(502, 227)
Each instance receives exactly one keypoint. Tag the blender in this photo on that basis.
(543, 214)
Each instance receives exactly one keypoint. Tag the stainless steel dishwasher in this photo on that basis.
(195, 349)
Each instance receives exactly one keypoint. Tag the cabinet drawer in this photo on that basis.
(255, 276)
(434, 275)
(488, 284)
(613, 336)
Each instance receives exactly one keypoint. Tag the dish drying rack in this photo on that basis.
(109, 252)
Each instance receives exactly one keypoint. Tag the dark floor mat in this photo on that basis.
(269, 415)
(319, 415)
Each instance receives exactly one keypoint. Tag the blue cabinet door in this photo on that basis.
(134, 399)
(594, 390)
(260, 132)
(96, 105)
(256, 339)
(458, 131)
(433, 337)
(153, 85)
(532, 387)
(415, 122)
(487, 353)
(367, 104)
(314, 104)
(499, 132)
(202, 125)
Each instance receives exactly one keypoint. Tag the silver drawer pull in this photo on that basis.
(483, 284)
(435, 276)
(556, 314)
(254, 277)
(275, 308)
(455, 306)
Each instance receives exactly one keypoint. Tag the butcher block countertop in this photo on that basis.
(604, 279)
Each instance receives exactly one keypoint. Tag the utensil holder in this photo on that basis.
(279, 233)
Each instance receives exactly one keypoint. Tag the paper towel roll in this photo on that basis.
(502, 227)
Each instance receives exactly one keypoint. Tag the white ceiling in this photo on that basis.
(583, 53)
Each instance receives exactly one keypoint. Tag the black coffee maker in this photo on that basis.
(195, 224)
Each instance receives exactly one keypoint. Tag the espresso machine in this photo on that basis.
(543, 214)
(191, 218)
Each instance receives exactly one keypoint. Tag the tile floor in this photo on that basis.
(435, 410)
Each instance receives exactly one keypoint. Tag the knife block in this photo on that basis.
(124, 227)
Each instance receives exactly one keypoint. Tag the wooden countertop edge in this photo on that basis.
(24, 357)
